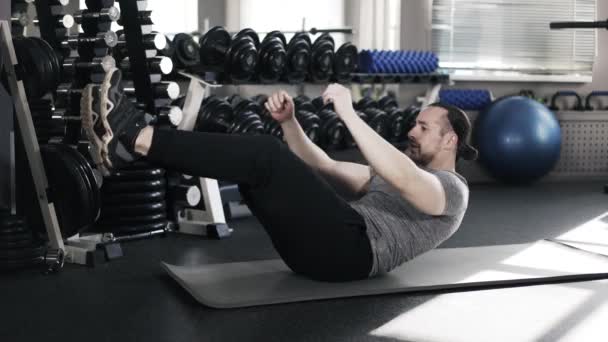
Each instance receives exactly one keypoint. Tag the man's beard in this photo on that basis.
(414, 153)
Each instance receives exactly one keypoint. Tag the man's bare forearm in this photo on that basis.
(303, 147)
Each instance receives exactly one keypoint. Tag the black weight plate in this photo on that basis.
(325, 37)
(301, 36)
(27, 67)
(141, 186)
(139, 209)
(137, 198)
(214, 45)
(93, 202)
(41, 67)
(129, 220)
(250, 33)
(54, 64)
(130, 175)
(23, 253)
(69, 189)
(84, 207)
(277, 34)
(186, 50)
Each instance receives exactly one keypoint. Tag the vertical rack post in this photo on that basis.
(130, 20)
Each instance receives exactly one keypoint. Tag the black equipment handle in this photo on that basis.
(593, 94)
(565, 93)
(578, 24)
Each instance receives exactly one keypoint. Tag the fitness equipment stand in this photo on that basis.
(211, 221)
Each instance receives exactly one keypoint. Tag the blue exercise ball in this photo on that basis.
(519, 139)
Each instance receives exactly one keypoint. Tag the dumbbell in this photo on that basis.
(96, 21)
(171, 115)
(100, 40)
(242, 56)
(62, 21)
(162, 90)
(345, 62)
(396, 119)
(306, 115)
(185, 195)
(185, 51)
(246, 116)
(332, 129)
(378, 121)
(298, 56)
(215, 115)
(272, 57)
(214, 46)
(156, 65)
(271, 126)
(97, 65)
(322, 58)
(151, 41)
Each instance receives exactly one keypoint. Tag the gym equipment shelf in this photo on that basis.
(363, 78)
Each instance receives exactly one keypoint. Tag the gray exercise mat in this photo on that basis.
(591, 236)
(242, 284)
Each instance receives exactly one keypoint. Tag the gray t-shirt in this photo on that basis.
(398, 231)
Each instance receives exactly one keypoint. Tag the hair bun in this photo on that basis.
(469, 152)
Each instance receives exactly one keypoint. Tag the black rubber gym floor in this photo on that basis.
(132, 299)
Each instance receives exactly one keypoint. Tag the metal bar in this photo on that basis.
(578, 24)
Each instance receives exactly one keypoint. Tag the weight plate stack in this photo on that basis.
(272, 57)
(242, 56)
(134, 200)
(38, 66)
(246, 116)
(18, 247)
(298, 56)
(345, 62)
(214, 46)
(271, 126)
(322, 58)
(186, 51)
(73, 189)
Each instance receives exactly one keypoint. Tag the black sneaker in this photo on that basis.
(111, 122)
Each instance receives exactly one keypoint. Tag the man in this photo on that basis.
(409, 203)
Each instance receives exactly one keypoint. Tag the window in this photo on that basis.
(289, 15)
(502, 37)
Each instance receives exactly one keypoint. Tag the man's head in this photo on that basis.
(441, 135)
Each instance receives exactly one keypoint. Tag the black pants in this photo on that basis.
(314, 230)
